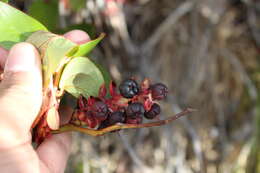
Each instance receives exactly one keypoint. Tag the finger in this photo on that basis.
(77, 36)
(3, 57)
(22, 83)
(54, 152)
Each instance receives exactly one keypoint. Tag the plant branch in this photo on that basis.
(92, 132)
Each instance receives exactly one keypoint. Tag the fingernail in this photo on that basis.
(23, 57)
(77, 36)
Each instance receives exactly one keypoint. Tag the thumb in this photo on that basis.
(21, 87)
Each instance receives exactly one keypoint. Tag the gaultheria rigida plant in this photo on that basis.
(102, 107)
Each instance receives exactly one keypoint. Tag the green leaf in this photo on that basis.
(16, 26)
(81, 76)
(87, 47)
(45, 12)
(86, 85)
(54, 50)
(6, 1)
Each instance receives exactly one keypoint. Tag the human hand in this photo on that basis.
(20, 100)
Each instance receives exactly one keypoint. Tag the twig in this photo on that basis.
(166, 25)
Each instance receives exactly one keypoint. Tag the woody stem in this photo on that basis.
(92, 132)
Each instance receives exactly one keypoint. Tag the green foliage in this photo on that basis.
(253, 162)
(81, 76)
(61, 58)
(15, 26)
(87, 47)
(56, 51)
(45, 12)
(77, 5)
(53, 49)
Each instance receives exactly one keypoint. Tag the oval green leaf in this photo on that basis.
(81, 77)
(87, 47)
(16, 26)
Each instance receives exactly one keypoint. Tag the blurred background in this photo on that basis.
(206, 51)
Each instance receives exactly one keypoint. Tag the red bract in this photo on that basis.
(112, 90)
(91, 120)
(42, 131)
(82, 102)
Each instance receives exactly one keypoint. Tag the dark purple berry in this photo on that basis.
(113, 118)
(135, 109)
(159, 91)
(116, 117)
(129, 88)
(99, 110)
(153, 112)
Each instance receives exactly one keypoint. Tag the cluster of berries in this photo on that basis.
(129, 106)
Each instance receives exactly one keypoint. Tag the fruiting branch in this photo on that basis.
(119, 126)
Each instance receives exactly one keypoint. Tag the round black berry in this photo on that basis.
(159, 91)
(116, 117)
(129, 88)
(153, 112)
(99, 110)
(135, 109)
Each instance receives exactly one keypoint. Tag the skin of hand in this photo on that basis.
(20, 100)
